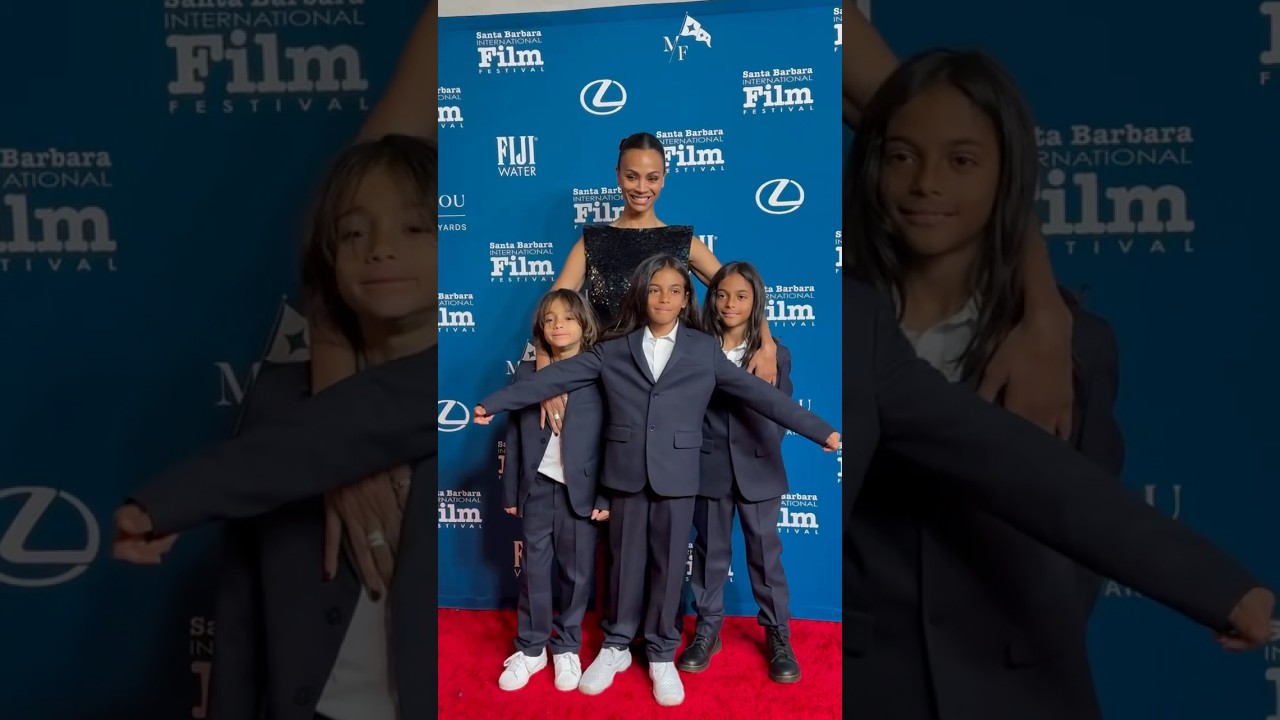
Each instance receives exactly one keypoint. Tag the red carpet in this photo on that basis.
(473, 645)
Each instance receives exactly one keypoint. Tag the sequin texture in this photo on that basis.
(614, 253)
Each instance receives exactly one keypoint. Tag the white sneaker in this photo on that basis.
(568, 671)
(667, 688)
(518, 669)
(599, 676)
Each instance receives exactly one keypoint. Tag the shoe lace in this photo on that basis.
(779, 647)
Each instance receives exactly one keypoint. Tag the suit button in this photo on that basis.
(334, 616)
(304, 696)
(543, 441)
(652, 428)
(533, 466)
(656, 394)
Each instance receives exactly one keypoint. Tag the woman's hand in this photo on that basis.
(554, 408)
(1033, 367)
(370, 511)
(764, 364)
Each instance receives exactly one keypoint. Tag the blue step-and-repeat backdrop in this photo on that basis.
(156, 159)
(1159, 154)
(746, 98)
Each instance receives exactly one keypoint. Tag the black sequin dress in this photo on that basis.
(614, 253)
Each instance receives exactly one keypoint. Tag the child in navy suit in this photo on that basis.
(659, 372)
(742, 470)
(551, 482)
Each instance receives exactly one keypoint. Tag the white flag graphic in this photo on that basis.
(692, 28)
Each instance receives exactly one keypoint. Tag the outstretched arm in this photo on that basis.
(1044, 488)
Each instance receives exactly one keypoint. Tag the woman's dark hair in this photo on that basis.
(640, 141)
(711, 322)
(878, 255)
(414, 162)
(581, 312)
(633, 312)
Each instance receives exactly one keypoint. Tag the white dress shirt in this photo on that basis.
(657, 350)
(552, 464)
(942, 344)
(359, 687)
(737, 354)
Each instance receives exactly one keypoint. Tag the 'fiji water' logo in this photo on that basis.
(517, 155)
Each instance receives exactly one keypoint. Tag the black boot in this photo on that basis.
(697, 656)
(783, 667)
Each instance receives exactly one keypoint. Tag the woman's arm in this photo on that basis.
(1033, 365)
(867, 62)
(704, 265)
(408, 107)
(563, 377)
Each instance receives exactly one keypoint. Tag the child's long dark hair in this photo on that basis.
(580, 311)
(878, 256)
(711, 322)
(414, 162)
(633, 312)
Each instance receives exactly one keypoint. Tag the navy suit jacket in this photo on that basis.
(279, 624)
(897, 403)
(1016, 647)
(740, 444)
(579, 449)
(293, 449)
(654, 430)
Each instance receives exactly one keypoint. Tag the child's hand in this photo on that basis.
(512, 511)
(480, 416)
(833, 443)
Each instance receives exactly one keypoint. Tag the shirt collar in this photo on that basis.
(966, 315)
(648, 334)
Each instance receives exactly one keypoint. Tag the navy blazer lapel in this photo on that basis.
(684, 343)
(636, 341)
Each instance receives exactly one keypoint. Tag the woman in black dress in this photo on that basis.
(603, 259)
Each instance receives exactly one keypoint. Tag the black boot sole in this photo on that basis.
(785, 679)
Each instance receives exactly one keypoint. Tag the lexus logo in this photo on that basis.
(48, 567)
(453, 416)
(605, 99)
(782, 197)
